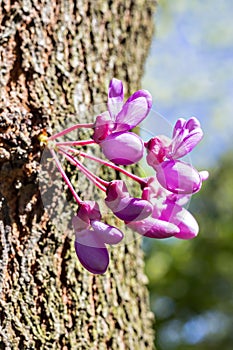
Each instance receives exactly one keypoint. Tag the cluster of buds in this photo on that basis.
(159, 212)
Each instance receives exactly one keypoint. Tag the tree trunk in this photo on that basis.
(57, 58)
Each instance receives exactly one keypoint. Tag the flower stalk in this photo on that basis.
(65, 177)
(68, 130)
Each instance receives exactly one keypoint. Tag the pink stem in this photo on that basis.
(101, 184)
(73, 127)
(75, 143)
(65, 177)
(111, 165)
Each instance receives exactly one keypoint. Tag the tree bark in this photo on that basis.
(57, 58)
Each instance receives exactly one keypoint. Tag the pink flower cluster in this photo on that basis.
(159, 212)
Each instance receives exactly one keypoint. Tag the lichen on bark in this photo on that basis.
(57, 58)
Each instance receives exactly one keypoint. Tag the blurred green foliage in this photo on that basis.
(191, 282)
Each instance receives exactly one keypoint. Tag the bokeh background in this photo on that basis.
(190, 73)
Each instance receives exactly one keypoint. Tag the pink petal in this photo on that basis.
(88, 210)
(80, 223)
(192, 124)
(186, 145)
(157, 149)
(182, 218)
(88, 238)
(134, 111)
(116, 190)
(187, 233)
(132, 209)
(109, 234)
(95, 260)
(186, 135)
(154, 228)
(103, 127)
(123, 206)
(115, 97)
(178, 177)
(188, 225)
(178, 127)
(123, 148)
(141, 93)
(204, 174)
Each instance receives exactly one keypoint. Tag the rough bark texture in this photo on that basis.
(52, 51)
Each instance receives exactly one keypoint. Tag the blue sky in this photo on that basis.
(190, 71)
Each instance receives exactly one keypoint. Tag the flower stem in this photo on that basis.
(73, 127)
(141, 181)
(65, 177)
(101, 184)
(75, 143)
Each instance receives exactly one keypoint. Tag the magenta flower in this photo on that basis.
(128, 115)
(159, 213)
(91, 237)
(123, 205)
(162, 153)
(168, 217)
(111, 128)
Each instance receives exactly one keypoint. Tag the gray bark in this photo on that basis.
(52, 51)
